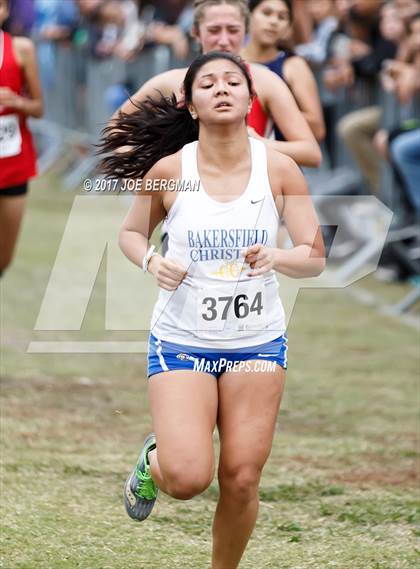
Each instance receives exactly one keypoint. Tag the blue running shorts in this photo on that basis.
(167, 356)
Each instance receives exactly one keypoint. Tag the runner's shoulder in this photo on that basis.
(23, 47)
(262, 73)
(279, 162)
(280, 168)
(295, 68)
(266, 82)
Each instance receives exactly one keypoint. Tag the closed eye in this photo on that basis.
(231, 83)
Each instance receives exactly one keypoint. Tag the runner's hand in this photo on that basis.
(260, 259)
(9, 98)
(169, 274)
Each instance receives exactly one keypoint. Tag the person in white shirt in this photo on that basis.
(218, 350)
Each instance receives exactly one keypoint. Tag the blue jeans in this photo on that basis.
(405, 152)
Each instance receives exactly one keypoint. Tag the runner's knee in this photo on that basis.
(186, 481)
(240, 482)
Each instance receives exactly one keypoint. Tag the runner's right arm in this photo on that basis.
(146, 211)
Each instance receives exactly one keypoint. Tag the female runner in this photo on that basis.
(218, 351)
(18, 74)
(221, 25)
(270, 27)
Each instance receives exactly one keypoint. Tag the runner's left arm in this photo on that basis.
(31, 105)
(307, 256)
(276, 98)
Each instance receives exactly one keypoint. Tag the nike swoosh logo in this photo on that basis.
(257, 201)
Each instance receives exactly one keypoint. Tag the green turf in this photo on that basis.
(339, 490)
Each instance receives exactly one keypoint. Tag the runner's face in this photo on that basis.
(222, 28)
(220, 93)
(4, 12)
(270, 22)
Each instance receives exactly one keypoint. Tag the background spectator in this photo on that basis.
(21, 17)
(377, 37)
(324, 23)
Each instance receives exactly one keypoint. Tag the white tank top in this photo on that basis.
(218, 305)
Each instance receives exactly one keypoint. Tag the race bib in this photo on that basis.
(231, 308)
(10, 137)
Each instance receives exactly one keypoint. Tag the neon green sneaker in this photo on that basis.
(140, 491)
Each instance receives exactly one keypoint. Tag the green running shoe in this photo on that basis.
(140, 491)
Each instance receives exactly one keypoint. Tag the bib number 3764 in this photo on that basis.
(243, 310)
(241, 304)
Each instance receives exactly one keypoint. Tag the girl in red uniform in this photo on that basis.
(18, 75)
(270, 26)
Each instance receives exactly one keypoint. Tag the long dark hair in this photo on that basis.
(159, 127)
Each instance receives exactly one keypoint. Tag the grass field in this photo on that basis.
(341, 486)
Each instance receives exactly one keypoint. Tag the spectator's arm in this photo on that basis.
(172, 36)
(56, 33)
(370, 64)
(339, 74)
(401, 78)
(407, 82)
(302, 24)
(132, 36)
(316, 50)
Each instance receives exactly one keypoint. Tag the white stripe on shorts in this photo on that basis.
(160, 356)
(286, 347)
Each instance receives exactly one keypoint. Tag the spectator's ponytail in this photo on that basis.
(158, 128)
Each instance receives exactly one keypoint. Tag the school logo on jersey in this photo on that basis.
(230, 269)
(222, 244)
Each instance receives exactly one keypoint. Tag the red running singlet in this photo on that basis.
(257, 117)
(17, 154)
(258, 120)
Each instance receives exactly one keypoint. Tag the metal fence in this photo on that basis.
(80, 99)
